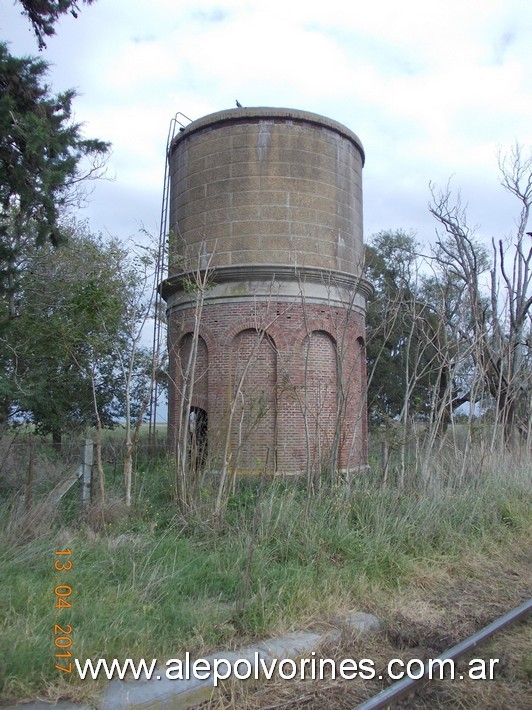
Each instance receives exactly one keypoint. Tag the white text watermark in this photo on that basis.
(307, 668)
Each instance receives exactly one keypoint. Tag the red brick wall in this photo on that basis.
(320, 396)
(303, 392)
(254, 379)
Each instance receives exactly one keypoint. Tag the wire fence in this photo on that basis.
(28, 461)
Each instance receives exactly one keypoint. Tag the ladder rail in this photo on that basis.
(160, 269)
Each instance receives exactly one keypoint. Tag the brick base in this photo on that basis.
(284, 383)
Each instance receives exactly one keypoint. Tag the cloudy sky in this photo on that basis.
(433, 89)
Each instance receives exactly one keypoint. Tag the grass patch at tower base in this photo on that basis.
(155, 586)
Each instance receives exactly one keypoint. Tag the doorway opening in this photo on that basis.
(198, 428)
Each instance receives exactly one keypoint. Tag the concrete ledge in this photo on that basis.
(177, 694)
(186, 693)
(272, 282)
(161, 693)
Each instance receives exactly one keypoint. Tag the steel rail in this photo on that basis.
(405, 686)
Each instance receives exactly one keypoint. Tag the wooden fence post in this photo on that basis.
(85, 471)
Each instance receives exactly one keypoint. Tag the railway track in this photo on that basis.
(408, 686)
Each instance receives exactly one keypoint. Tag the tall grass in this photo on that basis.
(154, 585)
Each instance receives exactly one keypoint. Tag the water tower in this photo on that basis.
(265, 288)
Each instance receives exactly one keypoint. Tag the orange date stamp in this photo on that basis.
(63, 632)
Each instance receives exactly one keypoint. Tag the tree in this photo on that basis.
(42, 162)
(498, 316)
(138, 366)
(455, 378)
(43, 15)
(400, 325)
(58, 355)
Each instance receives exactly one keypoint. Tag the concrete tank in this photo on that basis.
(268, 203)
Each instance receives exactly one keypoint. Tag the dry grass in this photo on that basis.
(433, 564)
(112, 511)
(437, 609)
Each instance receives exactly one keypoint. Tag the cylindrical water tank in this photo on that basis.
(266, 186)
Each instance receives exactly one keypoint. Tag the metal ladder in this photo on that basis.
(160, 270)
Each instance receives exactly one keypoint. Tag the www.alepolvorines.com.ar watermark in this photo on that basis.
(306, 668)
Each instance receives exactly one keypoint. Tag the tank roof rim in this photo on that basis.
(256, 113)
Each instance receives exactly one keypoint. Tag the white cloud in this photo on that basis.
(431, 88)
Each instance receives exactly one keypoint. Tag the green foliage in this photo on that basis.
(43, 15)
(41, 154)
(415, 361)
(72, 319)
(396, 324)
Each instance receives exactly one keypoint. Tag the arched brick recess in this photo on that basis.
(254, 380)
(320, 394)
(361, 442)
(287, 334)
(180, 357)
(186, 325)
(200, 388)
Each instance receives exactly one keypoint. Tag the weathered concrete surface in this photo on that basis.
(160, 692)
(363, 623)
(181, 694)
(266, 186)
(42, 705)
(178, 694)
